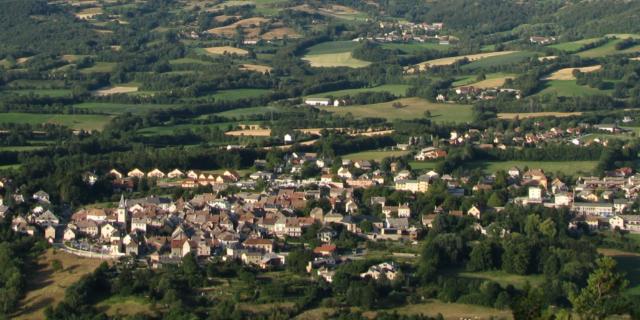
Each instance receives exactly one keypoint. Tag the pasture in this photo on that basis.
(453, 311)
(567, 73)
(255, 68)
(471, 57)
(46, 287)
(566, 167)
(412, 108)
(100, 67)
(629, 263)
(524, 115)
(73, 121)
(573, 46)
(332, 47)
(114, 90)
(118, 306)
(172, 129)
(53, 93)
(329, 60)
(241, 112)
(120, 108)
(569, 88)
(414, 47)
(225, 50)
(234, 94)
(376, 155)
(395, 89)
(504, 279)
(499, 60)
(608, 48)
(492, 80)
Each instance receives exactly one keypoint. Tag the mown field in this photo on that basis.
(120, 108)
(523, 115)
(566, 167)
(73, 121)
(499, 60)
(395, 89)
(412, 108)
(416, 46)
(46, 287)
(233, 94)
(492, 80)
(246, 111)
(330, 60)
(376, 155)
(170, 129)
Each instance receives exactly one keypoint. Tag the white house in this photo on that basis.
(288, 138)
(175, 174)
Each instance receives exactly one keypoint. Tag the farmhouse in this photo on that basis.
(155, 173)
(136, 173)
(317, 101)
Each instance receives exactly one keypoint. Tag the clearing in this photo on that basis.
(114, 90)
(118, 306)
(47, 287)
(567, 73)
(523, 115)
(226, 50)
(411, 108)
(344, 59)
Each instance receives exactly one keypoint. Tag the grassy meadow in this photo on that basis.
(411, 108)
(395, 89)
(376, 155)
(73, 121)
(566, 167)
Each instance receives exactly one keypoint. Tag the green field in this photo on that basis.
(73, 121)
(10, 166)
(54, 93)
(100, 67)
(628, 263)
(395, 89)
(568, 88)
(471, 79)
(607, 49)
(234, 94)
(125, 306)
(452, 311)
(189, 61)
(412, 108)
(330, 60)
(424, 165)
(119, 108)
(376, 155)
(414, 47)
(246, 111)
(497, 61)
(169, 130)
(21, 148)
(573, 46)
(566, 167)
(504, 279)
(332, 47)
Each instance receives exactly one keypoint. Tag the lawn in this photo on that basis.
(569, 88)
(566, 167)
(376, 155)
(120, 108)
(73, 121)
(395, 89)
(505, 279)
(423, 165)
(46, 287)
(328, 60)
(412, 108)
(10, 166)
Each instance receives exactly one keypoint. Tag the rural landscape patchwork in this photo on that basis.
(319, 159)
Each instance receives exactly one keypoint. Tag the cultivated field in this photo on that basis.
(114, 90)
(249, 133)
(412, 108)
(451, 60)
(332, 47)
(376, 155)
(567, 73)
(523, 115)
(46, 287)
(344, 59)
(73, 121)
(255, 68)
(569, 88)
(226, 50)
(492, 80)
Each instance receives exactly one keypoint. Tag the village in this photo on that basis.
(253, 217)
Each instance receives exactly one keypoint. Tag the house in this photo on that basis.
(474, 211)
(69, 234)
(156, 174)
(259, 245)
(327, 234)
(116, 174)
(563, 199)
(175, 174)
(107, 231)
(629, 223)
(535, 195)
(384, 270)
(541, 40)
(344, 173)
(50, 233)
(593, 209)
(47, 218)
(88, 228)
(317, 101)
(325, 250)
(136, 173)
(430, 153)
(288, 138)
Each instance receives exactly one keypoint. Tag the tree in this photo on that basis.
(603, 295)
(56, 265)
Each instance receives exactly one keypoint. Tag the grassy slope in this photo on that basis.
(395, 89)
(570, 88)
(413, 108)
(74, 121)
(567, 167)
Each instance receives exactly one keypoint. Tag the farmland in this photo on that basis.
(225, 50)
(412, 108)
(234, 94)
(376, 155)
(395, 89)
(332, 47)
(246, 111)
(492, 80)
(524, 115)
(54, 93)
(471, 57)
(73, 121)
(569, 88)
(46, 287)
(344, 59)
(567, 73)
(454, 311)
(499, 60)
(120, 108)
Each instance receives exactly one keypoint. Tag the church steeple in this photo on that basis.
(123, 202)
(122, 213)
